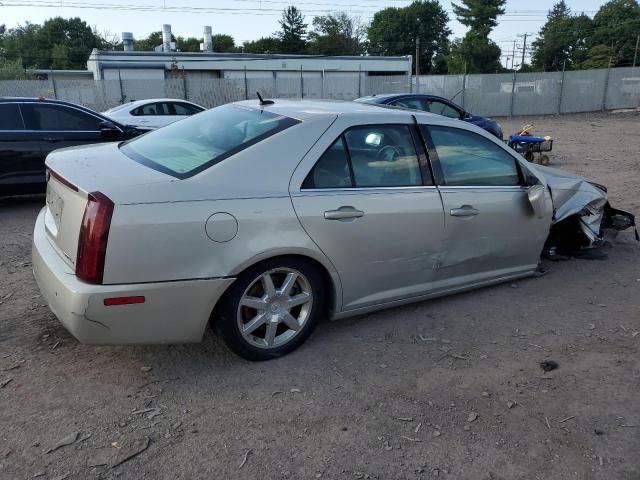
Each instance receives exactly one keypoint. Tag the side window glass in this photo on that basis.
(58, 117)
(468, 159)
(331, 170)
(412, 103)
(383, 156)
(184, 109)
(10, 118)
(150, 109)
(441, 108)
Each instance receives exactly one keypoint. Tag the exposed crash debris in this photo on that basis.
(581, 215)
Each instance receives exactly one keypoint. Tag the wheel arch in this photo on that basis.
(329, 274)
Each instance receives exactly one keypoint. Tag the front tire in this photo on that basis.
(272, 308)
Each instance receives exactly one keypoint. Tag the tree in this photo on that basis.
(394, 31)
(262, 45)
(151, 42)
(59, 57)
(617, 24)
(598, 57)
(479, 15)
(293, 31)
(336, 34)
(224, 43)
(189, 44)
(563, 39)
(20, 44)
(77, 37)
(475, 53)
(12, 69)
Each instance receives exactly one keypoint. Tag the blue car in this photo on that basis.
(435, 104)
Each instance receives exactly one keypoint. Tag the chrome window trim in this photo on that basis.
(359, 189)
(483, 187)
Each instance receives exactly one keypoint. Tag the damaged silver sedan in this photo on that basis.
(264, 217)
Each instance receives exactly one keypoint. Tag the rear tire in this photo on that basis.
(271, 309)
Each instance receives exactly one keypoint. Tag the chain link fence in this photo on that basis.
(498, 95)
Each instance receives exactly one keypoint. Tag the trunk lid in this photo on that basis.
(73, 174)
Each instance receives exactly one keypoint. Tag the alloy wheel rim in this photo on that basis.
(274, 308)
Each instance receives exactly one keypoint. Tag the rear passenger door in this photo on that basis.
(21, 161)
(365, 197)
(152, 115)
(61, 126)
(491, 231)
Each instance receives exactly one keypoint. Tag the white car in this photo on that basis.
(153, 113)
(266, 217)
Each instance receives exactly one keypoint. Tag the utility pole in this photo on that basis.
(417, 64)
(513, 57)
(635, 55)
(524, 49)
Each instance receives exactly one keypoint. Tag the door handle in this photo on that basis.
(464, 211)
(343, 213)
(53, 139)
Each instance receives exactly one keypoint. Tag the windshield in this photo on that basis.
(192, 145)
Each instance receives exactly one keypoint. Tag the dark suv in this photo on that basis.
(30, 128)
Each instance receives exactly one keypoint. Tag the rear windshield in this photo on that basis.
(192, 145)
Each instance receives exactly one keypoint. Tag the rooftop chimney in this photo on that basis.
(127, 41)
(166, 38)
(207, 41)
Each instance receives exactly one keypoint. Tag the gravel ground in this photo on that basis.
(450, 388)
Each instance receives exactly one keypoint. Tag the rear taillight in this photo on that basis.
(94, 234)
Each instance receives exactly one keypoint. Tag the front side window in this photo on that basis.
(441, 108)
(368, 156)
(468, 159)
(191, 145)
(58, 117)
(10, 118)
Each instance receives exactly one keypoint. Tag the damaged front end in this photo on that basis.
(581, 214)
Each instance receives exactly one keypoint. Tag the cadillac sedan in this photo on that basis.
(262, 218)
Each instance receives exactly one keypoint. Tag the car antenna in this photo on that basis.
(263, 101)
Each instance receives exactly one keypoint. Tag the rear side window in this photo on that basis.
(150, 109)
(183, 109)
(468, 159)
(412, 103)
(10, 118)
(368, 156)
(192, 145)
(441, 108)
(58, 117)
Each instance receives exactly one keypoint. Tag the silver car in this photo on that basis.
(263, 218)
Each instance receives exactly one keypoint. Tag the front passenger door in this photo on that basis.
(374, 212)
(61, 126)
(491, 231)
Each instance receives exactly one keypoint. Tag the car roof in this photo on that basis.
(137, 103)
(40, 99)
(390, 96)
(308, 109)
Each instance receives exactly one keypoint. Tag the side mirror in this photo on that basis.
(537, 200)
(108, 128)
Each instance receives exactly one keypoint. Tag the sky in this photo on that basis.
(251, 19)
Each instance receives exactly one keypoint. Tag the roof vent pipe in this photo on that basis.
(127, 41)
(207, 41)
(166, 38)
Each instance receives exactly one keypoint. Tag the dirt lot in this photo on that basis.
(450, 388)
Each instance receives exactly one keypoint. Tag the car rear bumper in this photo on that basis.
(172, 312)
